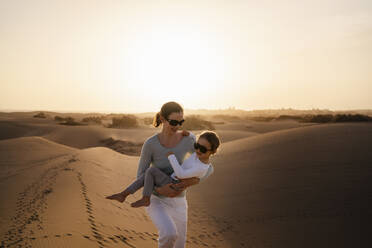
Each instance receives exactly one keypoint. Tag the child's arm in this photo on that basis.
(181, 173)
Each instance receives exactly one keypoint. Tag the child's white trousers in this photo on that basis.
(170, 218)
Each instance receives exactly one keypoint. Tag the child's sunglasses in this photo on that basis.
(175, 122)
(202, 148)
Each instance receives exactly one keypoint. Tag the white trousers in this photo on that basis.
(170, 218)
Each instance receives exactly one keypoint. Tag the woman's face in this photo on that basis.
(178, 116)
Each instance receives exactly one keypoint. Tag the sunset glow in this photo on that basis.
(124, 56)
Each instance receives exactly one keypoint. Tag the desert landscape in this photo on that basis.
(286, 85)
(277, 183)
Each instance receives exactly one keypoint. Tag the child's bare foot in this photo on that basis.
(144, 202)
(120, 197)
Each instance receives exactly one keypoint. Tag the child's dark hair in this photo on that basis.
(212, 138)
(167, 109)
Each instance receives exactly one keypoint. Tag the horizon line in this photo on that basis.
(186, 109)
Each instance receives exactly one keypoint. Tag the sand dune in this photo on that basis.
(55, 198)
(304, 187)
(22, 154)
(231, 135)
(260, 126)
(277, 184)
(74, 136)
(91, 136)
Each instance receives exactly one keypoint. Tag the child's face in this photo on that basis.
(207, 145)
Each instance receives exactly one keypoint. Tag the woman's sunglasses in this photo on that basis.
(175, 122)
(202, 148)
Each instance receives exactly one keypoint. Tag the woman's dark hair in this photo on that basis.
(167, 109)
(212, 139)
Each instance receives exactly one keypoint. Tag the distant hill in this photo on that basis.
(228, 111)
(276, 112)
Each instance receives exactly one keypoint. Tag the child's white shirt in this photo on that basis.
(191, 167)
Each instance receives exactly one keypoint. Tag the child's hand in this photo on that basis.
(185, 133)
(169, 153)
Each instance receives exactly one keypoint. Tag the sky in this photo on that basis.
(133, 56)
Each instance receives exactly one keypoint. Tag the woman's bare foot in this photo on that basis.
(144, 202)
(120, 197)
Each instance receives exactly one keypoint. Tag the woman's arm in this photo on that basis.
(173, 190)
(145, 159)
(168, 190)
(187, 182)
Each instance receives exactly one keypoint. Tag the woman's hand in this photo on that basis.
(185, 133)
(173, 190)
(187, 182)
(167, 190)
(179, 186)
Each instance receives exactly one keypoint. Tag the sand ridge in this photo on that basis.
(61, 203)
(303, 187)
(93, 135)
(289, 185)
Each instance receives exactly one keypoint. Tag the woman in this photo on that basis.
(168, 208)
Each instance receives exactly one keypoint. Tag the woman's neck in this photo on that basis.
(167, 134)
(168, 138)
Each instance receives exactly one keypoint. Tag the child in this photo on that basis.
(196, 165)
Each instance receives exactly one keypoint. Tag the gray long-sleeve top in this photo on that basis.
(156, 154)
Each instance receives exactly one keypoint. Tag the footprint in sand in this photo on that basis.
(99, 238)
(30, 204)
(113, 239)
(72, 160)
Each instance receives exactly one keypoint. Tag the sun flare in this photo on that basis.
(161, 62)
